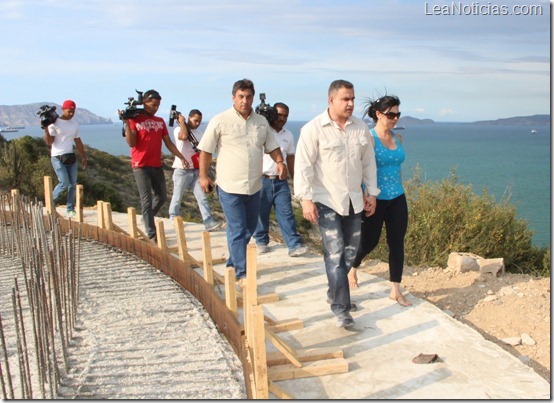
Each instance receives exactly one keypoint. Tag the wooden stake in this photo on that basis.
(79, 203)
(48, 195)
(207, 257)
(256, 315)
(100, 213)
(132, 217)
(230, 290)
(107, 215)
(160, 235)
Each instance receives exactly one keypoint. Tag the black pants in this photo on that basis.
(153, 194)
(394, 214)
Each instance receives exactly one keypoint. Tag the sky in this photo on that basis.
(446, 61)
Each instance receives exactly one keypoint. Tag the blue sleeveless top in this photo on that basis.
(388, 168)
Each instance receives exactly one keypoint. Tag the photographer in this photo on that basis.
(241, 138)
(61, 135)
(144, 134)
(187, 136)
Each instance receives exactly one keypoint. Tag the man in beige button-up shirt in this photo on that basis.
(334, 157)
(240, 136)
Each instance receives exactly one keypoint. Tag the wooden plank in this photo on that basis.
(107, 213)
(285, 349)
(207, 256)
(259, 352)
(181, 239)
(262, 299)
(285, 325)
(278, 391)
(251, 275)
(309, 369)
(230, 290)
(100, 214)
(160, 235)
(304, 355)
(48, 195)
(132, 218)
(79, 197)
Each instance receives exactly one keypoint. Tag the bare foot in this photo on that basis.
(352, 278)
(401, 300)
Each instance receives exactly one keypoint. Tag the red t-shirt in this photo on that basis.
(148, 150)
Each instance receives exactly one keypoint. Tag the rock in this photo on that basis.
(506, 291)
(493, 266)
(527, 340)
(481, 285)
(512, 341)
(490, 292)
(462, 262)
(490, 298)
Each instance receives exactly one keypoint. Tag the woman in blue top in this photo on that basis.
(392, 209)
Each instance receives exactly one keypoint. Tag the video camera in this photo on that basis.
(48, 115)
(131, 111)
(173, 115)
(266, 110)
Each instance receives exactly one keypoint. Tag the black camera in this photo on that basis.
(266, 110)
(48, 115)
(131, 111)
(173, 115)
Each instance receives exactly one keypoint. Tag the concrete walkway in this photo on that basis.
(386, 337)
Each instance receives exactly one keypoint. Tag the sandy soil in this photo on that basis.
(503, 307)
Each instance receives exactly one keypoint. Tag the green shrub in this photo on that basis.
(447, 217)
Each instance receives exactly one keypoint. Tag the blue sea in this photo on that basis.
(505, 160)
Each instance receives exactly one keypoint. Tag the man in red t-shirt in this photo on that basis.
(144, 134)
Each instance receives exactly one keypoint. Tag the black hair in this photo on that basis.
(244, 84)
(381, 104)
(194, 112)
(281, 105)
(151, 94)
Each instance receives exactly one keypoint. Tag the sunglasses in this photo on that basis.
(392, 115)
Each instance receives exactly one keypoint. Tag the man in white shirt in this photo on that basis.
(61, 135)
(276, 192)
(334, 157)
(241, 138)
(187, 137)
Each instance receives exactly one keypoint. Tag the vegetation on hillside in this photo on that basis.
(445, 216)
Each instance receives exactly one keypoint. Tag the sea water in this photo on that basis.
(505, 160)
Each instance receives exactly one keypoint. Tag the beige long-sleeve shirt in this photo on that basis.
(331, 164)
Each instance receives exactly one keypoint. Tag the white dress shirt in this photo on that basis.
(331, 164)
(286, 143)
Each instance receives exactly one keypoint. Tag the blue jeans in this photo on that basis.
(153, 194)
(67, 179)
(276, 193)
(241, 214)
(340, 237)
(187, 179)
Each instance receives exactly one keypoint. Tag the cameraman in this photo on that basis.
(144, 134)
(186, 177)
(61, 135)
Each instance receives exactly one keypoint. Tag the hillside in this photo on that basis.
(534, 120)
(26, 115)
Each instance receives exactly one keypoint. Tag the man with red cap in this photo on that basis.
(61, 135)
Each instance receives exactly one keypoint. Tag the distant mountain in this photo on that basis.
(534, 120)
(410, 121)
(26, 115)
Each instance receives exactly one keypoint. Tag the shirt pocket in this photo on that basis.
(257, 135)
(332, 151)
(358, 146)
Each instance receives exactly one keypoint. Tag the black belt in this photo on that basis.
(270, 176)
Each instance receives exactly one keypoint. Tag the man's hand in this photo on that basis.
(370, 204)
(309, 210)
(206, 184)
(282, 170)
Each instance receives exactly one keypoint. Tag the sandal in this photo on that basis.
(401, 300)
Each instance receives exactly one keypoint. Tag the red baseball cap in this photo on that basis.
(68, 104)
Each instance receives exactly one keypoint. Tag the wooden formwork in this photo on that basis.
(261, 369)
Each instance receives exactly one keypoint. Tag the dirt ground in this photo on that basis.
(503, 307)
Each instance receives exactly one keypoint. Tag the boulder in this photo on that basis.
(493, 266)
(462, 262)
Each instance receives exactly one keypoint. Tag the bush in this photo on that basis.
(447, 217)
